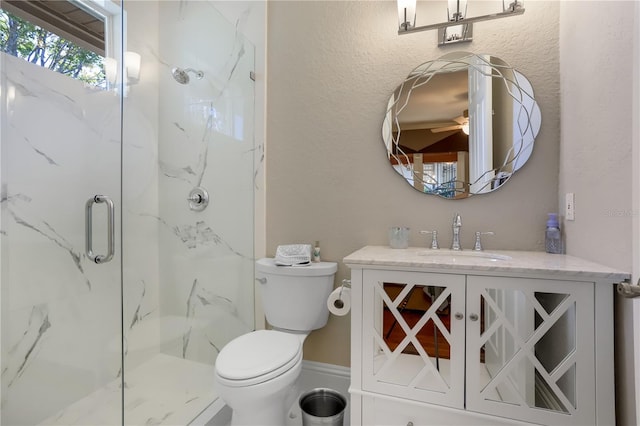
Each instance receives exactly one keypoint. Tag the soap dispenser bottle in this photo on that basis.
(552, 236)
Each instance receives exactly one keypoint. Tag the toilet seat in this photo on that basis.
(257, 357)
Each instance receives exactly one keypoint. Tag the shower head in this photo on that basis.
(182, 75)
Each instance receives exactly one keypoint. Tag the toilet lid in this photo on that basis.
(256, 357)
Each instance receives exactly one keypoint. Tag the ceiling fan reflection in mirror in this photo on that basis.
(463, 124)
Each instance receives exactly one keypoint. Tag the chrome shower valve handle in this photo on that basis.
(198, 199)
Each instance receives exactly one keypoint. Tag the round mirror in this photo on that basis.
(461, 125)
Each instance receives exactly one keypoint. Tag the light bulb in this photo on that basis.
(406, 14)
(456, 9)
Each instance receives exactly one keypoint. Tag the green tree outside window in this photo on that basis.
(34, 44)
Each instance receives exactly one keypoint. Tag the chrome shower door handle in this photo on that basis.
(98, 258)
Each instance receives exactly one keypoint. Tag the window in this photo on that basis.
(70, 37)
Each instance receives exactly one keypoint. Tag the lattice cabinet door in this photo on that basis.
(413, 335)
(530, 349)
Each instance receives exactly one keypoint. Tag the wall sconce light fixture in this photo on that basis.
(132, 66)
(458, 27)
(111, 70)
(131, 69)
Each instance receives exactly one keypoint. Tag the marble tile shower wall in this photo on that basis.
(188, 276)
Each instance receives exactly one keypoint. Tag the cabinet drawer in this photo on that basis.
(394, 412)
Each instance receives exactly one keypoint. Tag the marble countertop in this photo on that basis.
(467, 261)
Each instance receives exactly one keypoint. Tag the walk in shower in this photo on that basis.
(131, 340)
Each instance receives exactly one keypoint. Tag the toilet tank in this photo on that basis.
(295, 297)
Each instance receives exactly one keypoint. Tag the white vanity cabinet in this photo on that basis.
(523, 338)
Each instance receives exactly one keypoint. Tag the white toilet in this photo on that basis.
(255, 373)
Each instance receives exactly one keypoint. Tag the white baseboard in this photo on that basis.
(322, 368)
(321, 375)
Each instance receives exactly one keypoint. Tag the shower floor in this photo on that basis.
(164, 390)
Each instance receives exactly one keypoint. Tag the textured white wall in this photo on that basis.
(332, 67)
(596, 81)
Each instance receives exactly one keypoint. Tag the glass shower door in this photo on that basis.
(61, 311)
(188, 123)
(132, 340)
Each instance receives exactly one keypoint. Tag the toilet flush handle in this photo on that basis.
(262, 280)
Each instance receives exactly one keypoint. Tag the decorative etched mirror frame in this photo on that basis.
(501, 113)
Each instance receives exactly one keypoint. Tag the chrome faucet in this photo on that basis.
(434, 239)
(478, 245)
(457, 224)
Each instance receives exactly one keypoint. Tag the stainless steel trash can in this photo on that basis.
(322, 407)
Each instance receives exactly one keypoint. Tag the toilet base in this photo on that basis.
(263, 404)
(270, 411)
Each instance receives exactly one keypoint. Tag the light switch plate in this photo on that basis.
(570, 206)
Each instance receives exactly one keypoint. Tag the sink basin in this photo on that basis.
(452, 254)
